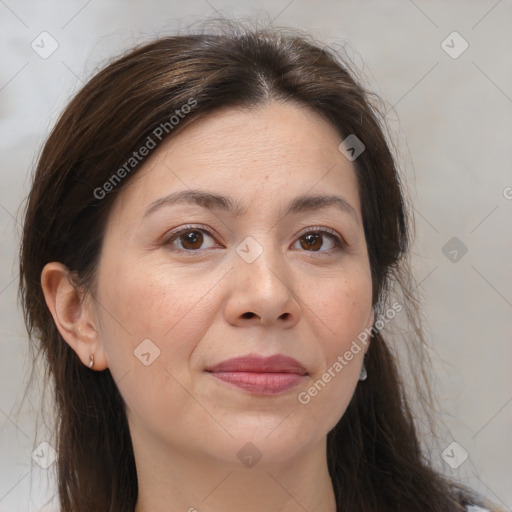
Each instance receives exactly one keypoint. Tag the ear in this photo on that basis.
(371, 318)
(369, 325)
(74, 314)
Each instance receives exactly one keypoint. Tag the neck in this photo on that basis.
(171, 481)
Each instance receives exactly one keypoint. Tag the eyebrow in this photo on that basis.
(213, 201)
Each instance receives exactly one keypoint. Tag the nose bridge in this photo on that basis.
(261, 266)
(255, 253)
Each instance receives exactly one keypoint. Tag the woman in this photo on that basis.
(213, 233)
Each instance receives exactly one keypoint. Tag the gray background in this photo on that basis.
(451, 118)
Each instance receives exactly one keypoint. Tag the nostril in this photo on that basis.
(248, 315)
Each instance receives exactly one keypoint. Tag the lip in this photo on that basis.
(260, 375)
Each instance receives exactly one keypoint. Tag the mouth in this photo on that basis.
(261, 375)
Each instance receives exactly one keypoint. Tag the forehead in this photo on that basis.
(279, 129)
(282, 149)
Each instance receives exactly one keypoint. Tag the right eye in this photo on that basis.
(189, 239)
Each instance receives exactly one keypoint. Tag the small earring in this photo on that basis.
(91, 360)
(363, 375)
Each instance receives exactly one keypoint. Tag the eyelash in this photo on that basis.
(340, 243)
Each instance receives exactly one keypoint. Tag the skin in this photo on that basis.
(187, 426)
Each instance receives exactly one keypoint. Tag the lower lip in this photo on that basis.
(260, 383)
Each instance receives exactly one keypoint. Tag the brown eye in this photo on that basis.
(314, 240)
(189, 239)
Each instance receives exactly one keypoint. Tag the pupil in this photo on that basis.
(312, 238)
(191, 239)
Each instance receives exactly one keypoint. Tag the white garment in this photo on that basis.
(474, 508)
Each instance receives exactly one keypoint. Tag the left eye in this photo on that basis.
(191, 240)
(312, 240)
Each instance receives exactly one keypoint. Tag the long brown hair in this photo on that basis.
(374, 455)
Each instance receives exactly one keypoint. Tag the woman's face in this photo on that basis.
(186, 285)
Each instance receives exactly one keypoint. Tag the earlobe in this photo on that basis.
(73, 315)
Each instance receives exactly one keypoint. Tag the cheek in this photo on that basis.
(344, 305)
(150, 326)
(345, 310)
(150, 299)
(140, 302)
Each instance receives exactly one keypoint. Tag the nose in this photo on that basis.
(262, 291)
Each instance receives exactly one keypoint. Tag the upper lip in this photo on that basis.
(274, 364)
